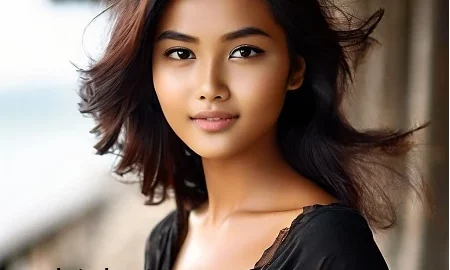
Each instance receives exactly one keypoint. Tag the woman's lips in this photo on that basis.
(213, 124)
(214, 121)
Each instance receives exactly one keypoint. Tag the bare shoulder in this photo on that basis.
(303, 192)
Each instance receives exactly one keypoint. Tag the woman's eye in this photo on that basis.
(180, 54)
(245, 52)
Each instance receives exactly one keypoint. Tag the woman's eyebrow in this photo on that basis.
(244, 32)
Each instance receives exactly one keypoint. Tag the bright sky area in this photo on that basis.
(48, 170)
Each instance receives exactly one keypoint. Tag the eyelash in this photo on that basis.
(251, 48)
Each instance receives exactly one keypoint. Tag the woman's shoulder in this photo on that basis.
(164, 226)
(160, 242)
(330, 237)
(319, 217)
(334, 227)
(333, 222)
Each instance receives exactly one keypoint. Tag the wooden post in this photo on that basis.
(436, 249)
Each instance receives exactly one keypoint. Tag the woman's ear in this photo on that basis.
(297, 74)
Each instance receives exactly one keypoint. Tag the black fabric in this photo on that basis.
(323, 237)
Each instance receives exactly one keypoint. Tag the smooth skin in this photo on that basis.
(205, 64)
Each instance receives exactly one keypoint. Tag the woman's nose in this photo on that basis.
(212, 85)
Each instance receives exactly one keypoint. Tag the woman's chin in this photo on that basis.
(215, 152)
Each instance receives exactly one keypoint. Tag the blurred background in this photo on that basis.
(61, 207)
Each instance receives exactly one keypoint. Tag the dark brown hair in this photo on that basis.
(357, 167)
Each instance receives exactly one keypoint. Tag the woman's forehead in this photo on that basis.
(217, 17)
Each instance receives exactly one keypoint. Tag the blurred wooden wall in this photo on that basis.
(435, 249)
(402, 83)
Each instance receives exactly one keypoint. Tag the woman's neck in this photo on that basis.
(250, 181)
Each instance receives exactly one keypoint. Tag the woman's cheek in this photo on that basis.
(171, 97)
(258, 90)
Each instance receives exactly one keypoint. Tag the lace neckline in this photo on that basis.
(270, 253)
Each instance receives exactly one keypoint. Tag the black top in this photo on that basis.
(325, 237)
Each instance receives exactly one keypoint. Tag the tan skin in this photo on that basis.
(253, 192)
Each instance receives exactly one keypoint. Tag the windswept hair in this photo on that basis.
(357, 167)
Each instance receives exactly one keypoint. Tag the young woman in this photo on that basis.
(234, 108)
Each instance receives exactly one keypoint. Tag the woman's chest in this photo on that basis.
(229, 252)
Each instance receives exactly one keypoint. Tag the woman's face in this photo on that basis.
(227, 57)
